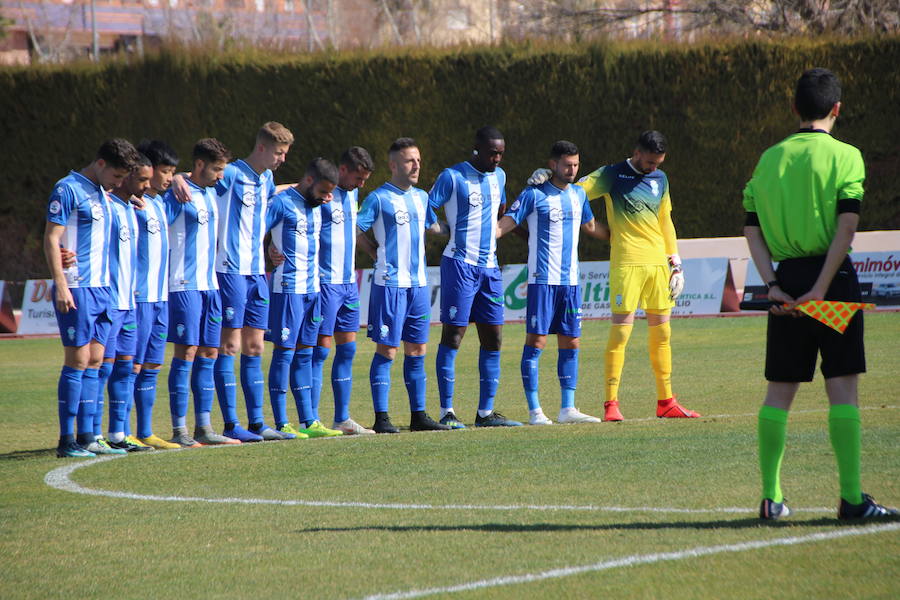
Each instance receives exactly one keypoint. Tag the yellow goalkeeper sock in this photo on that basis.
(615, 358)
(661, 358)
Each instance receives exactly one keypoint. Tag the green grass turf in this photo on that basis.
(56, 543)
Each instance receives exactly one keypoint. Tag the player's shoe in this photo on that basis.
(770, 510)
(351, 427)
(420, 421)
(452, 421)
(159, 443)
(137, 442)
(573, 415)
(101, 446)
(611, 411)
(290, 432)
(72, 450)
(266, 433)
(180, 436)
(383, 424)
(670, 409)
(495, 419)
(207, 437)
(868, 509)
(537, 417)
(128, 446)
(236, 432)
(317, 430)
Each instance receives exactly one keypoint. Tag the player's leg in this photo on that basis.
(346, 324)
(458, 288)
(280, 367)
(233, 293)
(487, 313)
(153, 325)
(99, 386)
(415, 338)
(624, 289)
(567, 325)
(307, 337)
(384, 304)
(254, 321)
(121, 381)
(537, 325)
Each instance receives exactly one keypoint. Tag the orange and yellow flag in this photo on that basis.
(834, 313)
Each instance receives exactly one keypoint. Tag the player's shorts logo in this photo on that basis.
(249, 198)
(71, 332)
(179, 329)
(96, 211)
(475, 199)
(452, 312)
(534, 320)
(203, 216)
(302, 225)
(556, 215)
(124, 233)
(337, 216)
(285, 334)
(153, 225)
(229, 313)
(55, 206)
(384, 330)
(402, 217)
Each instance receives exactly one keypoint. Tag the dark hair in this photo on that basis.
(487, 133)
(118, 153)
(357, 157)
(817, 91)
(159, 153)
(563, 148)
(210, 150)
(402, 144)
(322, 169)
(142, 161)
(652, 141)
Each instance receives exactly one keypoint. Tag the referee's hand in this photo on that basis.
(780, 297)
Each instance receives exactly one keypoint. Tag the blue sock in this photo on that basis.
(489, 369)
(226, 388)
(320, 353)
(342, 380)
(119, 391)
(300, 385)
(254, 387)
(278, 383)
(567, 370)
(380, 381)
(414, 377)
(144, 398)
(204, 388)
(103, 374)
(531, 358)
(445, 366)
(179, 390)
(68, 394)
(132, 376)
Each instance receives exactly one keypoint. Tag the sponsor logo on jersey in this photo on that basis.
(337, 216)
(402, 217)
(202, 216)
(124, 233)
(556, 215)
(153, 225)
(96, 211)
(475, 199)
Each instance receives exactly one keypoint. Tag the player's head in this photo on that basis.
(138, 181)
(273, 140)
(164, 161)
(404, 161)
(210, 157)
(355, 168)
(650, 152)
(818, 95)
(319, 181)
(563, 163)
(114, 161)
(488, 150)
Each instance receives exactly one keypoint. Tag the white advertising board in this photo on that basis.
(37, 308)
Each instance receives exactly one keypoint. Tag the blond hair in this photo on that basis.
(274, 133)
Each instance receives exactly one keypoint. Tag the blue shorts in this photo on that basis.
(195, 318)
(294, 318)
(340, 308)
(90, 321)
(470, 294)
(153, 327)
(122, 337)
(245, 300)
(397, 314)
(553, 309)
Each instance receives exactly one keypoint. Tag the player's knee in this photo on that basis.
(452, 336)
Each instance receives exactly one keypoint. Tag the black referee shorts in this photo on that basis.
(792, 343)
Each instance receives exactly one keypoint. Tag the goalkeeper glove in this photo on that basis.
(539, 176)
(676, 277)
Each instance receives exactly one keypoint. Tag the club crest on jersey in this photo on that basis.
(452, 312)
(179, 329)
(124, 233)
(475, 199)
(384, 330)
(654, 187)
(337, 216)
(285, 334)
(55, 206)
(71, 332)
(202, 216)
(152, 225)
(96, 211)
(248, 199)
(402, 217)
(229, 313)
(302, 224)
(556, 215)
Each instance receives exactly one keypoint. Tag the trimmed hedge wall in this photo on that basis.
(719, 106)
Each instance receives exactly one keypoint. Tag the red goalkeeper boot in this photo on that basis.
(670, 409)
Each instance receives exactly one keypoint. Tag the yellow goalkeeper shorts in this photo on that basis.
(646, 286)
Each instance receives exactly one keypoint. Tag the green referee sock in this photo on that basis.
(844, 430)
(772, 430)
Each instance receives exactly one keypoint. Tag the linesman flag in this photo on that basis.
(834, 313)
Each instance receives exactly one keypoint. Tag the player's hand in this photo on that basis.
(275, 256)
(181, 189)
(676, 276)
(68, 258)
(138, 203)
(780, 297)
(539, 176)
(64, 300)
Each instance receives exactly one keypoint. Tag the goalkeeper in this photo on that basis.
(644, 269)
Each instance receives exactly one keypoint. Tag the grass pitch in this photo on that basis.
(644, 508)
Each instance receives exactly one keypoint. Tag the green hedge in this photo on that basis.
(719, 105)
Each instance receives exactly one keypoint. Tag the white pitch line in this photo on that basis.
(637, 559)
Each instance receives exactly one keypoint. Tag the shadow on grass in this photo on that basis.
(750, 523)
(26, 454)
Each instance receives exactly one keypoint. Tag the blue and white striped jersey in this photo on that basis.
(243, 197)
(471, 200)
(554, 218)
(295, 232)
(192, 240)
(152, 273)
(337, 252)
(122, 253)
(398, 220)
(83, 208)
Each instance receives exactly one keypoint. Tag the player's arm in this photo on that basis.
(505, 225)
(53, 233)
(284, 186)
(847, 223)
(366, 244)
(596, 229)
(180, 187)
(670, 241)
